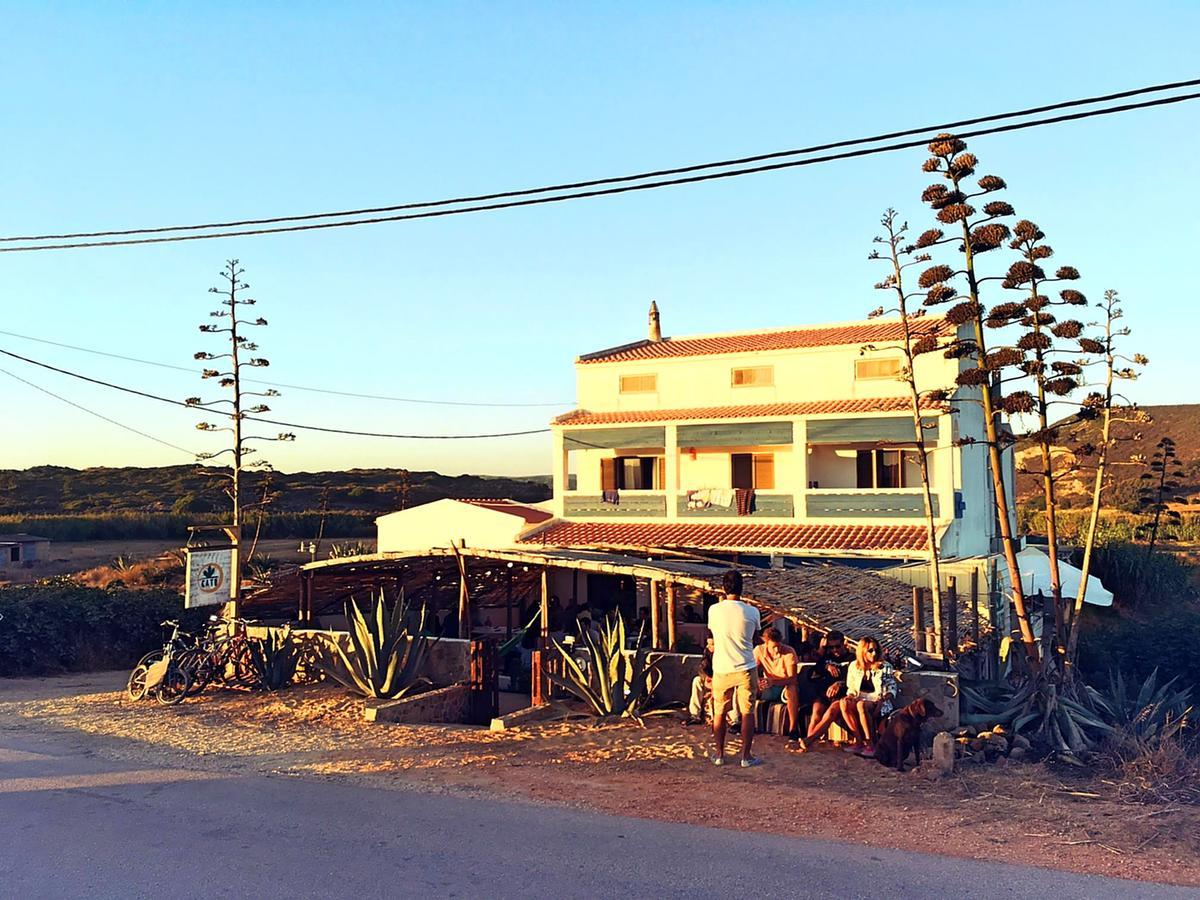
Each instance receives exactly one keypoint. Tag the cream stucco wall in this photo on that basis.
(818, 373)
(442, 522)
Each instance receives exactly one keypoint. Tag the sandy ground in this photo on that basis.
(1020, 813)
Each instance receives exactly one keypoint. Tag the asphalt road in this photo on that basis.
(73, 824)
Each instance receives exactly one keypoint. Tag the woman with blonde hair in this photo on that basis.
(870, 693)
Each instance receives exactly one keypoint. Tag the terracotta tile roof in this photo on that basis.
(530, 514)
(896, 538)
(757, 341)
(810, 408)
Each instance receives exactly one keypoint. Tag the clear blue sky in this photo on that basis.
(121, 115)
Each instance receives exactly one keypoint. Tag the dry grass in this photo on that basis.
(1163, 772)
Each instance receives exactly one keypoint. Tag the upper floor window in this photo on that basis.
(882, 468)
(754, 376)
(755, 471)
(886, 367)
(639, 384)
(633, 473)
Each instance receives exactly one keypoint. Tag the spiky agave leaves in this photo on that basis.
(620, 684)
(386, 659)
(273, 660)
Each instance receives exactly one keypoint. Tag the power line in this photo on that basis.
(577, 185)
(580, 195)
(92, 412)
(294, 387)
(248, 418)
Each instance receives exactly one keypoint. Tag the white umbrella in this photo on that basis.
(1035, 576)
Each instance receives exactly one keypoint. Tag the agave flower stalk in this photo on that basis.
(902, 256)
(950, 159)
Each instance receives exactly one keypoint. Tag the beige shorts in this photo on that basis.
(743, 685)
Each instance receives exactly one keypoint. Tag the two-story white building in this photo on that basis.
(794, 442)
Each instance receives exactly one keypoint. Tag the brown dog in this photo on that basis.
(901, 733)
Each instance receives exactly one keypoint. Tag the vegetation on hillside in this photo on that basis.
(130, 502)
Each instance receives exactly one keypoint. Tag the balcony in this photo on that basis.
(642, 504)
(875, 503)
(766, 506)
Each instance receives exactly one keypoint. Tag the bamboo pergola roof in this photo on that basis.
(820, 596)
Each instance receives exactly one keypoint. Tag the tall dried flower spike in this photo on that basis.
(992, 183)
(1067, 273)
(929, 238)
(996, 208)
(934, 275)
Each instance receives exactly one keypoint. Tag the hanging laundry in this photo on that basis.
(745, 501)
(723, 497)
(613, 497)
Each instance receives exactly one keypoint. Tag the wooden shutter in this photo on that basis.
(764, 471)
(660, 480)
(608, 474)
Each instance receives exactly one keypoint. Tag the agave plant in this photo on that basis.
(386, 657)
(273, 661)
(1156, 712)
(619, 684)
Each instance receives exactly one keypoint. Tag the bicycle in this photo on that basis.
(159, 673)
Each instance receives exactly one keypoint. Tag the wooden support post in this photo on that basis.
(544, 613)
(975, 611)
(538, 693)
(671, 640)
(484, 684)
(655, 629)
(508, 628)
(464, 596)
(952, 623)
(919, 644)
(302, 602)
(939, 643)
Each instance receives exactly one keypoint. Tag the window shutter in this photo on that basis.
(608, 474)
(764, 471)
(660, 481)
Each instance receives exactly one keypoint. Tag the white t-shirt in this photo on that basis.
(733, 624)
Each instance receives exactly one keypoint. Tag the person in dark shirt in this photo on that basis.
(825, 681)
(700, 704)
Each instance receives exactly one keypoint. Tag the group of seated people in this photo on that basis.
(821, 686)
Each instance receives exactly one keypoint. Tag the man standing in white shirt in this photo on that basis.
(733, 625)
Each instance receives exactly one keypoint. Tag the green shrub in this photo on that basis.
(61, 627)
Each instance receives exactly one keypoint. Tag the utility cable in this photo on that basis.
(92, 412)
(597, 182)
(249, 418)
(293, 387)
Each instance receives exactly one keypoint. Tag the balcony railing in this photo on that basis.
(650, 504)
(766, 506)
(851, 503)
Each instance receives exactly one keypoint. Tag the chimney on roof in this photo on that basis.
(655, 324)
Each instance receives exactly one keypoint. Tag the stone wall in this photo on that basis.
(941, 688)
(441, 706)
(448, 660)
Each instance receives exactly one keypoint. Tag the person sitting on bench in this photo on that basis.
(778, 664)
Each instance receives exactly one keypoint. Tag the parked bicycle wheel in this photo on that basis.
(174, 686)
(198, 668)
(136, 686)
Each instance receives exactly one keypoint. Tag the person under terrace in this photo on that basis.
(734, 625)
(778, 666)
(700, 703)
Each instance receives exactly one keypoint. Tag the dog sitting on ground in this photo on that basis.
(901, 733)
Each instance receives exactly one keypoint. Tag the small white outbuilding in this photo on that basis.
(491, 524)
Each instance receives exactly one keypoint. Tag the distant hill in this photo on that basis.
(1181, 423)
(183, 490)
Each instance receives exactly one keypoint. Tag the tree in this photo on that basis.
(975, 235)
(902, 256)
(238, 407)
(1160, 487)
(1113, 410)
